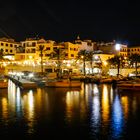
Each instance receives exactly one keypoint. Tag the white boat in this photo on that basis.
(63, 84)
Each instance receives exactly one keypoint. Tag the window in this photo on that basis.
(33, 50)
(11, 51)
(1, 44)
(48, 48)
(6, 50)
(11, 45)
(66, 54)
(54, 48)
(33, 44)
(72, 55)
(6, 44)
(15, 46)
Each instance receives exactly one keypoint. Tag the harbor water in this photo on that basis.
(97, 112)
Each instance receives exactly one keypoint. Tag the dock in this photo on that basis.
(23, 83)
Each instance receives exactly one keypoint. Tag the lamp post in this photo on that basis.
(118, 47)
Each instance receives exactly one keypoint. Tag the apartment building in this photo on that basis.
(133, 50)
(128, 51)
(8, 46)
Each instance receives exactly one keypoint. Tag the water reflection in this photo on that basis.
(105, 105)
(4, 108)
(124, 101)
(95, 111)
(12, 95)
(117, 118)
(72, 103)
(28, 107)
(95, 116)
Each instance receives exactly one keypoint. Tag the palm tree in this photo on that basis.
(83, 55)
(41, 49)
(58, 54)
(90, 58)
(134, 58)
(116, 61)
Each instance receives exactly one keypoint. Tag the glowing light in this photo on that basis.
(30, 57)
(96, 57)
(105, 63)
(68, 65)
(117, 47)
(31, 75)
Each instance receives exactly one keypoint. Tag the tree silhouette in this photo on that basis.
(116, 61)
(134, 58)
(58, 54)
(84, 56)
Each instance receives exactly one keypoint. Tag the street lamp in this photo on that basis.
(118, 47)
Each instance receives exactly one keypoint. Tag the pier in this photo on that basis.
(23, 83)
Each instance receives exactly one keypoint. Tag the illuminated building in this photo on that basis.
(8, 46)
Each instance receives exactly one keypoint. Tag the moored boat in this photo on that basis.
(63, 84)
(128, 85)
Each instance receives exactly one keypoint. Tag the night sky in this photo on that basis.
(98, 20)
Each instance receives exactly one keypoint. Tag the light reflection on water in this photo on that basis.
(117, 118)
(95, 111)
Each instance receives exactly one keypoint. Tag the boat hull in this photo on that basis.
(129, 86)
(63, 84)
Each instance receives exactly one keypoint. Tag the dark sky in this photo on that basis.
(99, 20)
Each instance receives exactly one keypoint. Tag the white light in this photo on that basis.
(96, 57)
(31, 75)
(117, 46)
(68, 65)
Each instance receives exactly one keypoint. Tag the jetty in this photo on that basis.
(23, 83)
